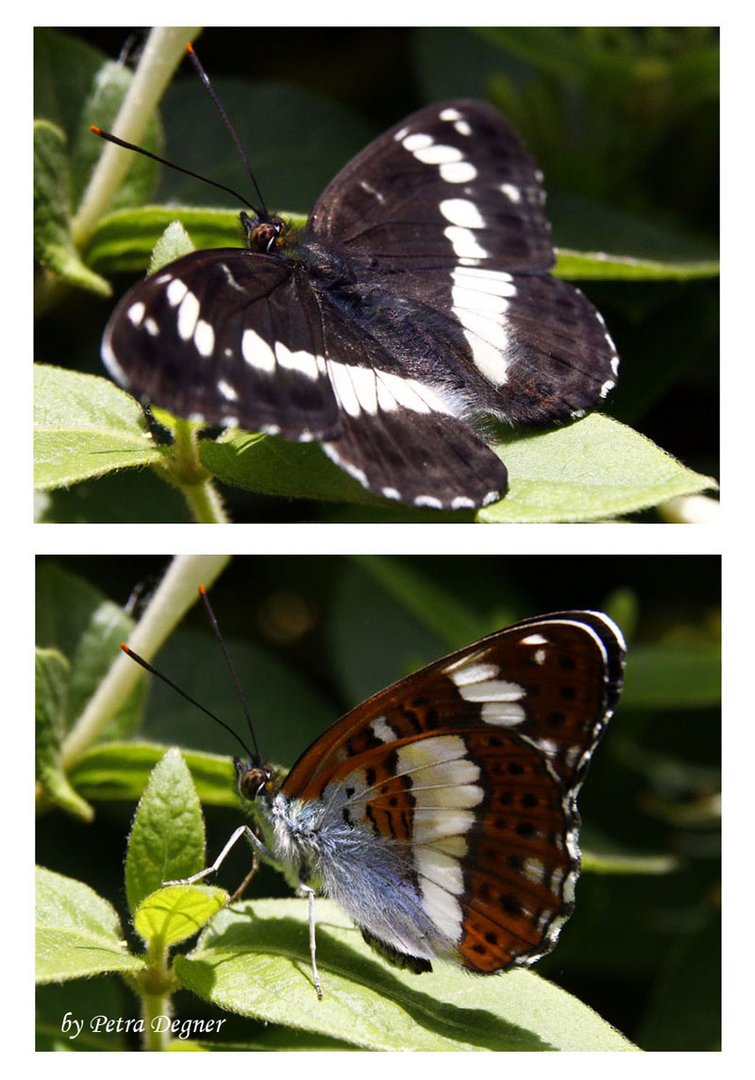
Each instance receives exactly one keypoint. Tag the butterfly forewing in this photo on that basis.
(472, 766)
(450, 182)
(229, 337)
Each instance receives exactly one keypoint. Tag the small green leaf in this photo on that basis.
(591, 469)
(85, 427)
(77, 932)
(51, 695)
(167, 837)
(171, 915)
(254, 960)
(173, 243)
(53, 246)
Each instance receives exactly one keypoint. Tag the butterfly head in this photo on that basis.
(264, 234)
(254, 779)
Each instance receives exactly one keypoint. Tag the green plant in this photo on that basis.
(92, 224)
(649, 809)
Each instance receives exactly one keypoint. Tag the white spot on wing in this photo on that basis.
(468, 673)
(492, 690)
(257, 352)
(503, 713)
(458, 172)
(511, 191)
(135, 313)
(462, 212)
(175, 292)
(188, 313)
(382, 730)
(204, 338)
(300, 360)
(464, 242)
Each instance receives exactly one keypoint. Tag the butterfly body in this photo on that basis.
(416, 300)
(441, 813)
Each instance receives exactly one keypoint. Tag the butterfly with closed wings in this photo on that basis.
(441, 813)
(415, 302)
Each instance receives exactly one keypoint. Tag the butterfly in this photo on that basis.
(415, 302)
(441, 813)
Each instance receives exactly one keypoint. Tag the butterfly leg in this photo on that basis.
(310, 894)
(256, 843)
(239, 892)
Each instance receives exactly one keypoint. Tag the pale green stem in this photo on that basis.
(206, 503)
(165, 47)
(184, 469)
(172, 599)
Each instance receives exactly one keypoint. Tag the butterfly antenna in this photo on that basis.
(229, 126)
(187, 697)
(229, 663)
(109, 137)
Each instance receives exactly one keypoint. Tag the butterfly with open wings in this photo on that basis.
(441, 813)
(416, 301)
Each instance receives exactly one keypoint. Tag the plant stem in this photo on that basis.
(206, 503)
(172, 599)
(162, 53)
(184, 469)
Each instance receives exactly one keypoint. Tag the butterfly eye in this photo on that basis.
(253, 779)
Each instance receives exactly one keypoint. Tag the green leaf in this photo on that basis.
(591, 469)
(167, 837)
(51, 695)
(670, 675)
(86, 627)
(120, 771)
(77, 932)
(53, 246)
(85, 427)
(173, 243)
(174, 914)
(600, 266)
(254, 960)
(124, 241)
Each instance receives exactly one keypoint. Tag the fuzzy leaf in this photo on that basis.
(172, 915)
(254, 960)
(85, 427)
(591, 469)
(167, 836)
(77, 932)
(53, 246)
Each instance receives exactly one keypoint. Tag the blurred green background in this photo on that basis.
(623, 122)
(312, 636)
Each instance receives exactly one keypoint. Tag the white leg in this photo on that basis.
(242, 829)
(312, 944)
